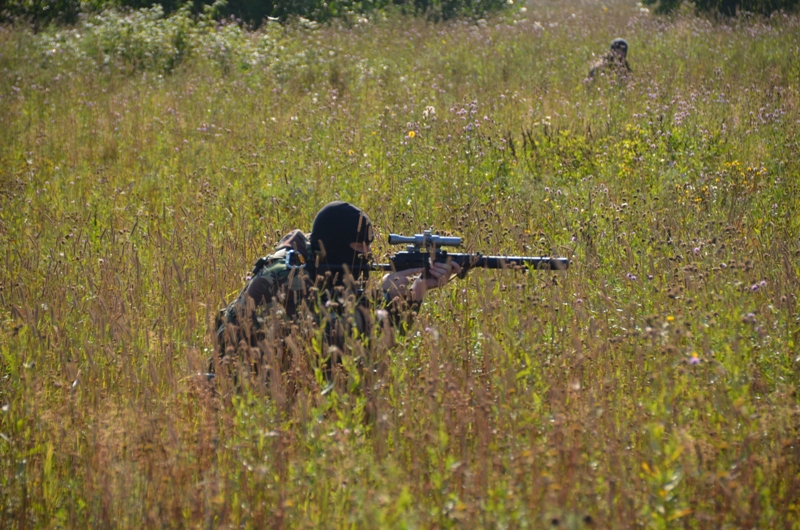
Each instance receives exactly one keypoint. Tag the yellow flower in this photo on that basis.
(670, 318)
(350, 152)
(411, 134)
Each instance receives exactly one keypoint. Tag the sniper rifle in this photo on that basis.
(423, 249)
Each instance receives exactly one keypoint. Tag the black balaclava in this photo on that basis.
(337, 225)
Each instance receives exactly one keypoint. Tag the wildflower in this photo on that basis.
(411, 134)
(631, 276)
(433, 332)
(670, 318)
(694, 359)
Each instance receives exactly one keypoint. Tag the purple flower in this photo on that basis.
(433, 332)
(631, 277)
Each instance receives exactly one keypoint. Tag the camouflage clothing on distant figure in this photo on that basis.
(615, 62)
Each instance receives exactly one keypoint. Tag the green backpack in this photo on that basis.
(281, 284)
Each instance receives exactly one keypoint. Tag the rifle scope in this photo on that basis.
(426, 239)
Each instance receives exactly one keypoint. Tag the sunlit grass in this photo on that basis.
(654, 384)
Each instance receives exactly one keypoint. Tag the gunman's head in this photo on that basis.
(619, 47)
(341, 235)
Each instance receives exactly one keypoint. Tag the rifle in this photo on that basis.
(422, 248)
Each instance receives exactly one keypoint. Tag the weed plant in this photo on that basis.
(147, 162)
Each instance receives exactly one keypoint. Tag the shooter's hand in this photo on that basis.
(399, 283)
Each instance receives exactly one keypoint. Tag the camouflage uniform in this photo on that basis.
(299, 295)
(614, 62)
(281, 299)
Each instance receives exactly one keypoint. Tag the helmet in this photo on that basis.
(620, 46)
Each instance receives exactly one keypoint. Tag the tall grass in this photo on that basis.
(652, 385)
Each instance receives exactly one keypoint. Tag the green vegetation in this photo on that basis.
(146, 162)
(40, 13)
(726, 8)
(252, 12)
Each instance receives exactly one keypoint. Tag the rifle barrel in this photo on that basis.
(471, 261)
(502, 262)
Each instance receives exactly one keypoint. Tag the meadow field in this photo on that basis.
(146, 163)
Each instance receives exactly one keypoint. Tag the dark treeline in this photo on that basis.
(251, 12)
(727, 8)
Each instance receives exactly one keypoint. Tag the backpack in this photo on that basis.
(280, 284)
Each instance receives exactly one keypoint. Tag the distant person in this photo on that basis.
(613, 63)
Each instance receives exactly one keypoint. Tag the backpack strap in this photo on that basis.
(296, 240)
